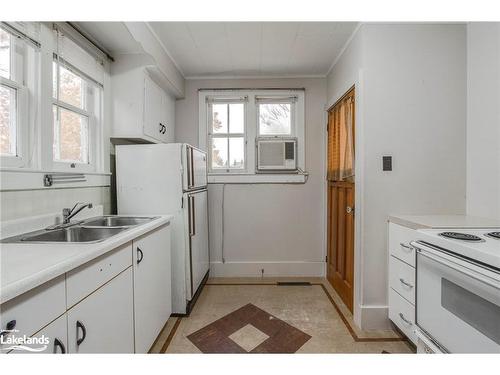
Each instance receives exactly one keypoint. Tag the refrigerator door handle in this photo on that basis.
(192, 220)
(189, 166)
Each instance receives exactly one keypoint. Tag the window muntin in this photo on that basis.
(275, 119)
(227, 136)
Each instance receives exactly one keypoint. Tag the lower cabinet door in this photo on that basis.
(103, 322)
(56, 333)
(152, 286)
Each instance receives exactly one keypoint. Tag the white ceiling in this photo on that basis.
(202, 49)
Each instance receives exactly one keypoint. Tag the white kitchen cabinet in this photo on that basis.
(34, 309)
(103, 322)
(143, 112)
(57, 333)
(152, 286)
(402, 279)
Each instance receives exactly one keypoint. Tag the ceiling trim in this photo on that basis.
(346, 44)
(165, 49)
(282, 76)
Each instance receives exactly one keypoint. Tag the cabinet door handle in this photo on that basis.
(79, 325)
(58, 343)
(402, 281)
(404, 319)
(405, 246)
(140, 255)
(8, 327)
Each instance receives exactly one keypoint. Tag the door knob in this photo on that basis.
(349, 209)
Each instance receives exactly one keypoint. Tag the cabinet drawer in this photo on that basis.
(402, 279)
(399, 243)
(36, 308)
(402, 313)
(87, 278)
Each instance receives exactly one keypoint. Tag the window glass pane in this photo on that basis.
(71, 88)
(275, 119)
(236, 118)
(5, 54)
(8, 121)
(70, 136)
(237, 152)
(219, 153)
(219, 118)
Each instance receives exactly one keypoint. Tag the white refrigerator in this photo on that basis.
(170, 179)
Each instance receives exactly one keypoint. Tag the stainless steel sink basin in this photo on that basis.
(75, 234)
(116, 221)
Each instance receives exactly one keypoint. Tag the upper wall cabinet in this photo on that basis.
(143, 112)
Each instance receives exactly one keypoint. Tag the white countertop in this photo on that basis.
(25, 266)
(443, 221)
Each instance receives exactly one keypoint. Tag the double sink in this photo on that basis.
(92, 230)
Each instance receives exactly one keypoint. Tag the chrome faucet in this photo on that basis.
(68, 213)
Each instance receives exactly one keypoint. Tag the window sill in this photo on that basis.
(268, 178)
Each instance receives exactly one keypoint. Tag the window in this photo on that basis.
(72, 111)
(275, 119)
(227, 135)
(231, 122)
(16, 60)
(77, 100)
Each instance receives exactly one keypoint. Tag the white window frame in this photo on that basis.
(210, 101)
(249, 175)
(93, 111)
(19, 83)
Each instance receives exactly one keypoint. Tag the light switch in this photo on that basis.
(387, 163)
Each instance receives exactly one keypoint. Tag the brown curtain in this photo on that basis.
(341, 140)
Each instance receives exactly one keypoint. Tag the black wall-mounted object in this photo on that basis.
(387, 163)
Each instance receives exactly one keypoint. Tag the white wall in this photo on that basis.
(276, 227)
(410, 82)
(483, 119)
(25, 203)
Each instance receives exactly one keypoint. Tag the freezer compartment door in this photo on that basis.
(195, 168)
(198, 239)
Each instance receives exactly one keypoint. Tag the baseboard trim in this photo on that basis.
(374, 317)
(271, 269)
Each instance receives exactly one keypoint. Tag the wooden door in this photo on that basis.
(340, 258)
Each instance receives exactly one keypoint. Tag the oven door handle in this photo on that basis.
(430, 253)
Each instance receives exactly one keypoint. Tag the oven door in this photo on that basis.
(457, 301)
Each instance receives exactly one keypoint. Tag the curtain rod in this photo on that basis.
(256, 89)
(88, 39)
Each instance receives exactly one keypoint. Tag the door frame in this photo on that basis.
(358, 193)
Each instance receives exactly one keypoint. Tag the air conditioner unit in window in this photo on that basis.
(276, 154)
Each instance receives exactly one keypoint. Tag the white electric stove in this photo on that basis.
(458, 289)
